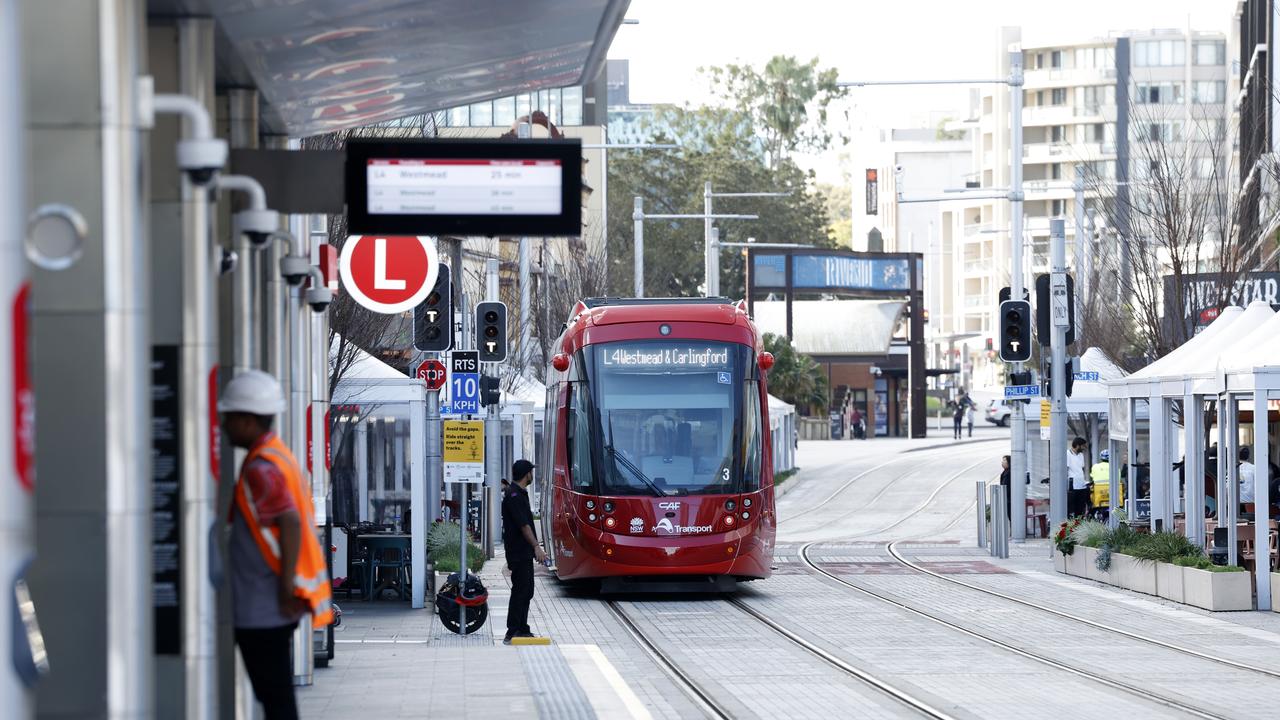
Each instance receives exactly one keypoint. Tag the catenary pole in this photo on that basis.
(1018, 451)
(1060, 316)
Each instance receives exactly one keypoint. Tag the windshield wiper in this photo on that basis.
(635, 470)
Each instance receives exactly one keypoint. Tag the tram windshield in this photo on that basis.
(668, 417)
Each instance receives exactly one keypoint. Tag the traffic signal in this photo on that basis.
(489, 393)
(1044, 306)
(1015, 331)
(491, 331)
(433, 317)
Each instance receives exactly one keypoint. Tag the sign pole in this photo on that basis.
(1061, 317)
(1017, 422)
(462, 562)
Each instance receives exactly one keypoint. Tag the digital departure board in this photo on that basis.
(472, 187)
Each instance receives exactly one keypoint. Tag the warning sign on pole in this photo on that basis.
(464, 451)
(1044, 419)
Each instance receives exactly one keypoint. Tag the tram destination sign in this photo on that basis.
(466, 187)
(690, 356)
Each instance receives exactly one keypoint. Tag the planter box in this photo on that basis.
(1093, 573)
(1217, 590)
(1169, 582)
(1059, 561)
(1133, 574)
(1077, 562)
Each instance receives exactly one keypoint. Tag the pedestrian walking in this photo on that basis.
(1246, 474)
(969, 416)
(1006, 476)
(522, 548)
(957, 417)
(1078, 495)
(855, 421)
(277, 568)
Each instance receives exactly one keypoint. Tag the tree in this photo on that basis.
(838, 202)
(786, 101)
(718, 145)
(1177, 220)
(795, 377)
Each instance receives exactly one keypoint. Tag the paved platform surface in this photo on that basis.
(850, 501)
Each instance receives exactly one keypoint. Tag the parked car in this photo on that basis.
(998, 412)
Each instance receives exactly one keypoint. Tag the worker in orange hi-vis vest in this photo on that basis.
(277, 567)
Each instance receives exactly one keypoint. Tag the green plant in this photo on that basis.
(1163, 546)
(1090, 533)
(443, 542)
(784, 476)
(1204, 563)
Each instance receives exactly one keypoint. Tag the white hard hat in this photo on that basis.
(253, 392)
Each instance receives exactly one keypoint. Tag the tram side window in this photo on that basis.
(751, 442)
(547, 456)
(579, 433)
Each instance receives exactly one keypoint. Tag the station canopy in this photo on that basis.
(326, 65)
(833, 327)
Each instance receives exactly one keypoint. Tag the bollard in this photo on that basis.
(982, 513)
(999, 523)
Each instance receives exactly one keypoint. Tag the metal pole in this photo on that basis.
(1261, 500)
(638, 216)
(708, 271)
(1113, 479)
(242, 111)
(462, 558)
(198, 360)
(982, 513)
(295, 358)
(1079, 250)
(1018, 451)
(1061, 318)
(713, 263)
(17, 501)
(526, 354)
(434, 455)
(492, 438)
(604, 207)
(1233, 478)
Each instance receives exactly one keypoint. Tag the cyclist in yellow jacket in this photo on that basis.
(1100, 484)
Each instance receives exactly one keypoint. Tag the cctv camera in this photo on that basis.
(294, 269)
(897, 168)
(319, 298)
(201, 159)
(258, 225)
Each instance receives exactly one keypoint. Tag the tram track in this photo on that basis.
(892, 549)
(714, 709)
(1131, 689)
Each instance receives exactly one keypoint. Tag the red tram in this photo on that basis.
(656, 468)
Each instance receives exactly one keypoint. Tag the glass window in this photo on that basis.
(1211, 52)
(504, 111)
(1055, 59)
(1159, 52)
(669, 415)
(460, 117)
(1059, 96)
(522, 105)
(578, 435)
(1099, 132)
(571, 99)
(553, 105)
(481, 114)
(751, 437)
(543, 102)
(1209, 91)
(1055, 171)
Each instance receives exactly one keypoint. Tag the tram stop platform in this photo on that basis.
(392, 661)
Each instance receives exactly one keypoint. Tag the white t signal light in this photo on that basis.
(1015, 331)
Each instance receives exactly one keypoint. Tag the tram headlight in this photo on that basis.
(746, 516)
(591, 504)
(730, 505)
(591, 517)
(746, 502)
(728, 520)
(608, 506)
(609, 522)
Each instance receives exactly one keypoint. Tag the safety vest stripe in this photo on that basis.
(265, 536)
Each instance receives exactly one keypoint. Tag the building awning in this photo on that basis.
(833, 327)
(325, 65)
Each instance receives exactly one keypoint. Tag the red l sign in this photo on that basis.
(389, 274)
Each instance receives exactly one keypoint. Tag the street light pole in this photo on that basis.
(1018, 451)
(639, 216)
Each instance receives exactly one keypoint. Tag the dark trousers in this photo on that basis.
(521, 594)
(1077, 501)
(958, 422)
(268, 660)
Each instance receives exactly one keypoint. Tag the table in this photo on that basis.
(379, 541)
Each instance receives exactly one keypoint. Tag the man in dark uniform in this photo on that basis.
(522, 547)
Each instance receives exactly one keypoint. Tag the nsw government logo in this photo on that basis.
(637, 525)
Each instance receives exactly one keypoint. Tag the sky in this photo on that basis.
(894, 40)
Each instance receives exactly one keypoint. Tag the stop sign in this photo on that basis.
(432, 372)
(389, 274)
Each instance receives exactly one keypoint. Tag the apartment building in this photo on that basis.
(1100, 104)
